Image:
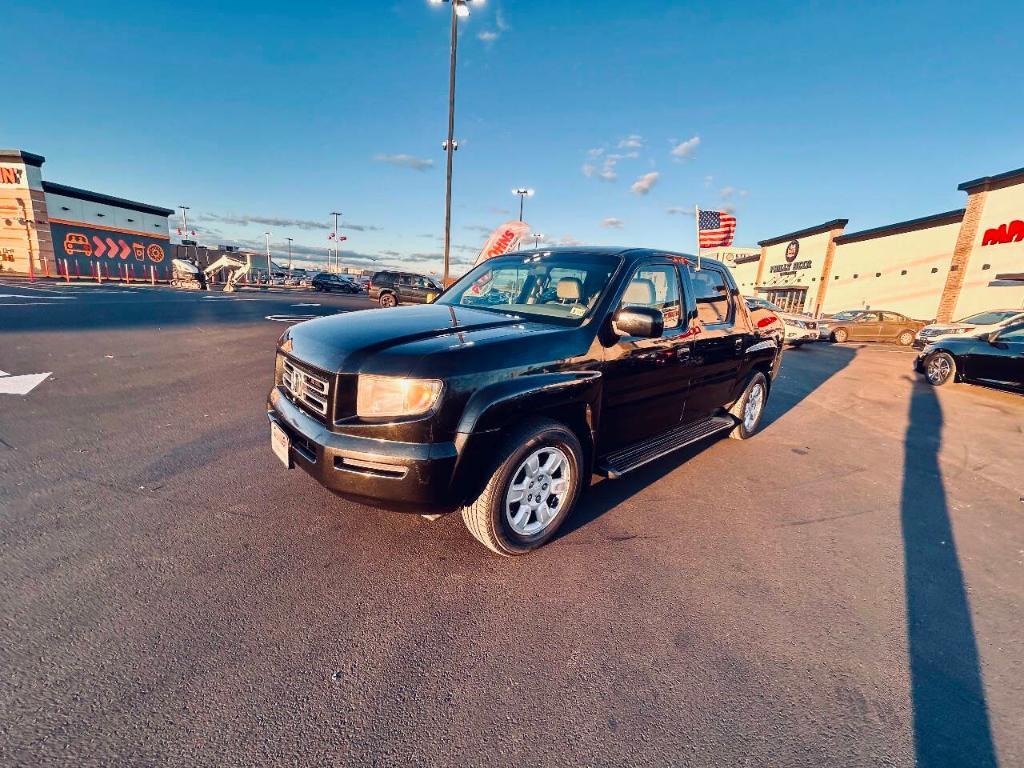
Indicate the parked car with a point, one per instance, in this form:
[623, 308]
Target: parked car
[982, 322]
[798, 329]
[504, 410]
[870, 325]
[390, 288]
[995, 357]
[328, 282]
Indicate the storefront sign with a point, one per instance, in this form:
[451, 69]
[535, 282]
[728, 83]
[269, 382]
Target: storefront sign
[11, 175]
[80, 243]
[1004, 233]
[790, 268]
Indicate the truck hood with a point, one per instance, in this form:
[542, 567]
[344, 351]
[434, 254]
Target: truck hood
[395, 339]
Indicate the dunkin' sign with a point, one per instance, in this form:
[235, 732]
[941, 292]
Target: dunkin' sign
[503, 239]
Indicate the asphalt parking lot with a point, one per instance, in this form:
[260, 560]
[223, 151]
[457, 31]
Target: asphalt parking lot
[846, 589]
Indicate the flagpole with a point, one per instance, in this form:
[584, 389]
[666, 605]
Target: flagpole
[696, 219]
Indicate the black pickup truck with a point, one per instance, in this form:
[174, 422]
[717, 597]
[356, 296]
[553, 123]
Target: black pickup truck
[528, 375]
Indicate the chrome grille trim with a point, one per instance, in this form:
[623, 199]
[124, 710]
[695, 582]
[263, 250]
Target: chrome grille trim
[305, 388]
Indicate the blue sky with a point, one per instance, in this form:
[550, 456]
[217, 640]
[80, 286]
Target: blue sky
[794, 114]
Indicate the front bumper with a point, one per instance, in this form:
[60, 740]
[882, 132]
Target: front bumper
[406, 477]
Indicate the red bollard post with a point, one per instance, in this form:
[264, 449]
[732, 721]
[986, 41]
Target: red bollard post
[152, 275]
[99, 275]
[31, 271]
[67, 272]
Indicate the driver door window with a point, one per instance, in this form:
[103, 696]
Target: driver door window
[656, 286]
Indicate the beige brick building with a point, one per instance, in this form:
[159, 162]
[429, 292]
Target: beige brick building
[943, 266]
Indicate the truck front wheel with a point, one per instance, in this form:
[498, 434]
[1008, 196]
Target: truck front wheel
[535, 484]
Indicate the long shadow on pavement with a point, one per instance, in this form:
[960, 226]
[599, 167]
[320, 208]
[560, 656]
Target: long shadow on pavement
[951, 723]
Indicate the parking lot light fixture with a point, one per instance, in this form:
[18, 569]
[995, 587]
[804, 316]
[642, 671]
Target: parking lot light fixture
[523, 193]
[537, 237]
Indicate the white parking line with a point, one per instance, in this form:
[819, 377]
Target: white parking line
[29, 288]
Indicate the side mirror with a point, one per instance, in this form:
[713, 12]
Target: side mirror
[644, 322]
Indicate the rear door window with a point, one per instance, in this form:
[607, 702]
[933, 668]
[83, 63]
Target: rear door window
[711, 293]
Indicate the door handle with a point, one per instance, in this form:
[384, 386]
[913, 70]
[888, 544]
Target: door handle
[739, 344]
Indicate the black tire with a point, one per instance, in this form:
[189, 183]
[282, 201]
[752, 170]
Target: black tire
[939, 369]
[387, 300]
[840, 335]
[905, 339]
[485, 516]
[742, 431]
[796, 344]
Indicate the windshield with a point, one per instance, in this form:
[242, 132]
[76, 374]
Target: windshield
[559, 287]
[990, 318]
[847, 315]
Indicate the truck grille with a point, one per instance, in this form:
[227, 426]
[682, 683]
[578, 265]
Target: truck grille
[305, 388]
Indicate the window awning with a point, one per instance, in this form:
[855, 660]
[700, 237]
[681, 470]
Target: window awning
[1014, 276]
[786, 287]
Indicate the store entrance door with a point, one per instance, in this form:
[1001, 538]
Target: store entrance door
[788, 299]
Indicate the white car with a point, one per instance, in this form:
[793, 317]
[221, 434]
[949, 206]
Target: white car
[983, 322]
[799, 328]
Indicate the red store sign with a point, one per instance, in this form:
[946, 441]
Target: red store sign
[1004, 233]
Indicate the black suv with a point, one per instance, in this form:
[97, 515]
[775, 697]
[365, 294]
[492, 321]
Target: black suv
[326, 281]
[392, 288]
[529, 374]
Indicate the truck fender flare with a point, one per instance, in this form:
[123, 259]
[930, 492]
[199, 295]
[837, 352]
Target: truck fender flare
[495, 406]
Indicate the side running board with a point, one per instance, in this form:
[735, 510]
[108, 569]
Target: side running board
[615, 465]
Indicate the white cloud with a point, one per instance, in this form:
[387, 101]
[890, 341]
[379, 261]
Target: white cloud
[596, 152]
[406, 161]
[488, 36]
[684, 150]
[676, 210]
[726, 192]
[612, 223]
[633, 141]
[568, 240]
[644, 184]
[588, 169]
[499, 19]
[708, 181]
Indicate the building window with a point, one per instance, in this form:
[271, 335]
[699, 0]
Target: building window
[132, 220]
[878, 274]
[954, 268]
[836, 277]
[903, 272]
[855, 275]
[934, 270]
[986, 266]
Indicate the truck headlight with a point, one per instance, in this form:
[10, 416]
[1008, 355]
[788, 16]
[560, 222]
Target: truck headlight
[379, 396]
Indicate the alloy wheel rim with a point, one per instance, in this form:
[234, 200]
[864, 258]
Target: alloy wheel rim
[752, 408]
[539, 490]
[938, 370]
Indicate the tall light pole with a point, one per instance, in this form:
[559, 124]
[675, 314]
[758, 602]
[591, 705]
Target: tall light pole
[523, 193]
[184, 223]
[536, 239]
[459, 8]
[337, 245]
[289, 254]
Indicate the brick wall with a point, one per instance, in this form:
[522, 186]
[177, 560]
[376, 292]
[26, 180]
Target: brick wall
[961, 254]
[826, 271]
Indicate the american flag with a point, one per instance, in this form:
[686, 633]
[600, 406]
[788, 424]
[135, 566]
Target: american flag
[715, 229]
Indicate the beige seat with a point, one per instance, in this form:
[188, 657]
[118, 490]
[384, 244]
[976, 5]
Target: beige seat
[569, 290]
[640, 291]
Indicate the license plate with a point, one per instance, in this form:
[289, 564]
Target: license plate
[280, 443]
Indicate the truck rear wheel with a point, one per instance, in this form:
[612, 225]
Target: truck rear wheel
[749, 409]
[534, 486]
